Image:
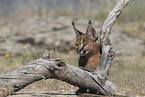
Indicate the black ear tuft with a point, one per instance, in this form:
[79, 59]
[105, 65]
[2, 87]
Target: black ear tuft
[73, 23]
[78, 33]
[90, 22]
[90, 32]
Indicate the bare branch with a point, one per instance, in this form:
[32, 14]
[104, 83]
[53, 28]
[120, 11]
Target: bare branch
[107, 52]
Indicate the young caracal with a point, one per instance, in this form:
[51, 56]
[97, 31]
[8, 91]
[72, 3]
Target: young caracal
[89, 51]
[87, 48]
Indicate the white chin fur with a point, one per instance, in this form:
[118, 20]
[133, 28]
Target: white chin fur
[81, 54]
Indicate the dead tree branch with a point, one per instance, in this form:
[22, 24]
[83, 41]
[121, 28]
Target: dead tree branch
[107, 52]
[45, 68]
[52, 68]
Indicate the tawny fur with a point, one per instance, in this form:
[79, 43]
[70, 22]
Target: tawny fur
[92, 59]
[88, 50]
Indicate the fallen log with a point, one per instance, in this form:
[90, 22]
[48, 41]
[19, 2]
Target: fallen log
[52, 68]
[46, 67]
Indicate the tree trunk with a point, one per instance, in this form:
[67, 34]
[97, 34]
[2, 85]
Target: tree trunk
[45, 68]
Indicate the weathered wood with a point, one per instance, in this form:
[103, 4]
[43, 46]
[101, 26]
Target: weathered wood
[53, 68]
[107, 52]
[45, 68]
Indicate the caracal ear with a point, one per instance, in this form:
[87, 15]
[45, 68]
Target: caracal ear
[91, 33]
[78, 33]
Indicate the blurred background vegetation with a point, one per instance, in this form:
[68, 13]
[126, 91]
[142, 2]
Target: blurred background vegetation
[26, 24]
[90, 9]
[95, 9]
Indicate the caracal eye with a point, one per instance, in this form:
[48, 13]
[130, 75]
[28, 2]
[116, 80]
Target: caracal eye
[83, 41]
[85, 45]
[76, 45]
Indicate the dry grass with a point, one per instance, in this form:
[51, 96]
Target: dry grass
[128, 76]
[135, 31]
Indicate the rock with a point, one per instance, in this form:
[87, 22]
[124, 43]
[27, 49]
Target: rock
[57, 33]
[10, 47]
[143, 26]
[126, 47]
[39, 38]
